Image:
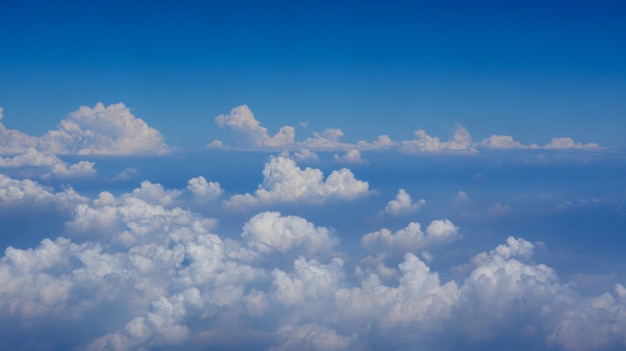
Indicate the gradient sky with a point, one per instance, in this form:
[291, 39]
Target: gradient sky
[312, 176]
[534, 70]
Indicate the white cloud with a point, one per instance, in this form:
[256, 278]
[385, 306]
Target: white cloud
[403, 204]
[568, 143]
[498, 209]
[202, 189]
[284, 181]
[111, 130]
[504, 142]
[306, 155]
[248, 132]
[26, 192]
[412, 238]
[460, 141]
[351, 156]
[100, 130]
[269, 231]
[461, 199]
[56, 167]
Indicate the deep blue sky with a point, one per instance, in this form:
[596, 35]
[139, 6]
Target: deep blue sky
[534, 70]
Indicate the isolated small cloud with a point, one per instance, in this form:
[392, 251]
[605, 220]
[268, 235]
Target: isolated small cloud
[461, 199]
[403, 204]
[498, 209]
[412, 237]
[248, 132]
[284, 181]
[351, 156]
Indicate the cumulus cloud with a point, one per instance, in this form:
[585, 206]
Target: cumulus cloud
[248, 132]
[412, 237]
[568, 143]
[284, 181]
[460, 141]
[352, 156]
[158, 278]
[14, 192]
[111, 130]
[403, 204]
[504, 142]
[306, 155]
[55, 166]
[100, 130]
[269, 231]
[203, 189]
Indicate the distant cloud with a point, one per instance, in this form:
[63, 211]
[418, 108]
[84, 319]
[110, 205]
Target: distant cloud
[412, 238]
[568, 143]
[504, 142]
[100, 130]
[461, 199]
[248, 132]
[351, 156]
[403, 204]
[284, 181]
[54, 165]
[14, 192]
[460, 141]
[305, 155]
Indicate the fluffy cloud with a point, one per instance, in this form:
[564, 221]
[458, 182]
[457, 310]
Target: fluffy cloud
[14, 192]
[248, 132]
[203, 189]
[403, 204]
[269, 231]
[177, 285]
[56, 167]
[460, 141]
[412, 238]
[284, 181]
[351, 156]
[504, 142]
[111, 130]
[568, 143]
[100, 130]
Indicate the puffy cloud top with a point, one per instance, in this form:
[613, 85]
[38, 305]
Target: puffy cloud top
[247, 131]
[284, 181]
[100, 130]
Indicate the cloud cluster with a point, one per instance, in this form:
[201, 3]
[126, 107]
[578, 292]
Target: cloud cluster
[284, 181]
[111, 130]
[412, 238]
[247, 132]
[27, 193]
[138, 271]
[54, 165]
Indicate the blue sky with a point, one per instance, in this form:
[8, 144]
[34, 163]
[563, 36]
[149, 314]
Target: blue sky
[312, 176]
[535, 70]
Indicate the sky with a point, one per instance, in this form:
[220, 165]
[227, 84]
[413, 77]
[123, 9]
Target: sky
[312, 175]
